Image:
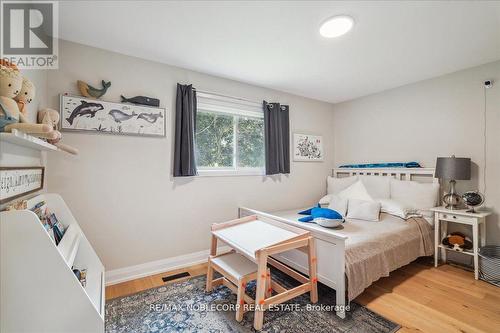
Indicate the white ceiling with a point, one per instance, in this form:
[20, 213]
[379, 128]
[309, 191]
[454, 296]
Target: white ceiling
[276, 44]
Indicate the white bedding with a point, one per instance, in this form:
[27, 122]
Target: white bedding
[357, 231]
[373, 249]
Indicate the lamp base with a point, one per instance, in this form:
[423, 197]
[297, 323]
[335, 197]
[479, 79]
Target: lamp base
[451, 201]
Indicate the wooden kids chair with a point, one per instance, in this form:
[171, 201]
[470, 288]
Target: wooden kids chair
[236, 271]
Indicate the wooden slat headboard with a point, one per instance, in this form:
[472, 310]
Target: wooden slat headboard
[398, 173]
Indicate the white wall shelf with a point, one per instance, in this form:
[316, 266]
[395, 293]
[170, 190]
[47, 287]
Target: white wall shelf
[36, 274]
[26, 140]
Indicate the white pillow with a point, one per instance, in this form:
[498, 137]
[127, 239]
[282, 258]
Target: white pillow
[338, 204]
[356, 191]
[396, 208]
[325, 201]
[336, 185]
[379, 187]
[363, 210]
[415, 195]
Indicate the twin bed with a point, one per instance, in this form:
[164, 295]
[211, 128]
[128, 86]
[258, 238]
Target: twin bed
[352, 257]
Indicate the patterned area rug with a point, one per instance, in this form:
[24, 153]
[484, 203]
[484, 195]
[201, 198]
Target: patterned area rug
[186, 307]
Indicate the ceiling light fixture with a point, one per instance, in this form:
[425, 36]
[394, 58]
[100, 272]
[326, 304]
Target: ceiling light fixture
[336, 26]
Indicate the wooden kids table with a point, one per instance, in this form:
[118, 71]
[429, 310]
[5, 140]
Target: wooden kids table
[258, 238]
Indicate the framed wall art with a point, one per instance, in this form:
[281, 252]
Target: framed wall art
[307, 148]
[16, 182]
[96, 116]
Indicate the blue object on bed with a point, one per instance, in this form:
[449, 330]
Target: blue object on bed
[384, 165]
[319, 213]
[308, 211]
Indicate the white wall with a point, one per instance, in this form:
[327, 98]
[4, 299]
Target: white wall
[437, 117]
[120, 188]
[133, 211]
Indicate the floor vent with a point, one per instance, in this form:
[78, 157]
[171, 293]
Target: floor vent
[175, 277]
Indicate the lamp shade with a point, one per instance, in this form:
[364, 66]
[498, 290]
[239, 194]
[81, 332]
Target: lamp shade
[453, 168]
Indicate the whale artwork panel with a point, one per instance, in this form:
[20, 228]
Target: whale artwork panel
[96, 116]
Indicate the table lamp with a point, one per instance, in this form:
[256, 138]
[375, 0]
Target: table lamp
[452, 169]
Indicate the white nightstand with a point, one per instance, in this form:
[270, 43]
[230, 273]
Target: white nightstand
[476, 220]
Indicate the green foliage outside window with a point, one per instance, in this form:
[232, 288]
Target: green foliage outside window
[251, 142]
[216, 138]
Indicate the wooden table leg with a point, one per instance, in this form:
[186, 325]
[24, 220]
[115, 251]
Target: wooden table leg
[269, 289]
[240, 300]
[213, 246]
[210, 276]
[261, 290]
[210, 270]
[313, 276]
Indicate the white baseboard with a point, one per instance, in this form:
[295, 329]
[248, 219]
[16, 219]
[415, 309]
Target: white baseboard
[154, 267]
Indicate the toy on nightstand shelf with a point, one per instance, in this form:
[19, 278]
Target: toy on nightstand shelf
[11, 83]
[457, 242]
[51, 117]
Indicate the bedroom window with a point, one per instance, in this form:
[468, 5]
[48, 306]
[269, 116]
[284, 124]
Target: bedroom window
[229, 136]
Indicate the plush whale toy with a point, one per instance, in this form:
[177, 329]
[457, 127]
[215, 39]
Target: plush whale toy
[325, 217]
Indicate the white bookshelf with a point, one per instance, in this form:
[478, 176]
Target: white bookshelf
[39, 292]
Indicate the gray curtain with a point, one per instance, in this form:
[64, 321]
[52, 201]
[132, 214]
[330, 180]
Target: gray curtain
[185, 127]
[277, 138]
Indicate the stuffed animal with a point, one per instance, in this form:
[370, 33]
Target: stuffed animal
[51, 117]
[26, 95]
[11, 82]
[18, 205]
[325, 217]
[457, 241]
[6, 63]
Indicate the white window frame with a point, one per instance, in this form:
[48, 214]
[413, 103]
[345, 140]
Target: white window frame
[235, 107]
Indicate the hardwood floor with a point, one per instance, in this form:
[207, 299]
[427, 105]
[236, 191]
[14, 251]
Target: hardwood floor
[152, 281]
[418, 296]
[422, 298]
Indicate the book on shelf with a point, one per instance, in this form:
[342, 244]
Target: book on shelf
[81, 275]
[49, 220]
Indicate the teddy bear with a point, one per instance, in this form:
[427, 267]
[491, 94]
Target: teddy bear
[51, 117]
[25, 95]
[11, 82]
[6, 63]
[457, 242]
